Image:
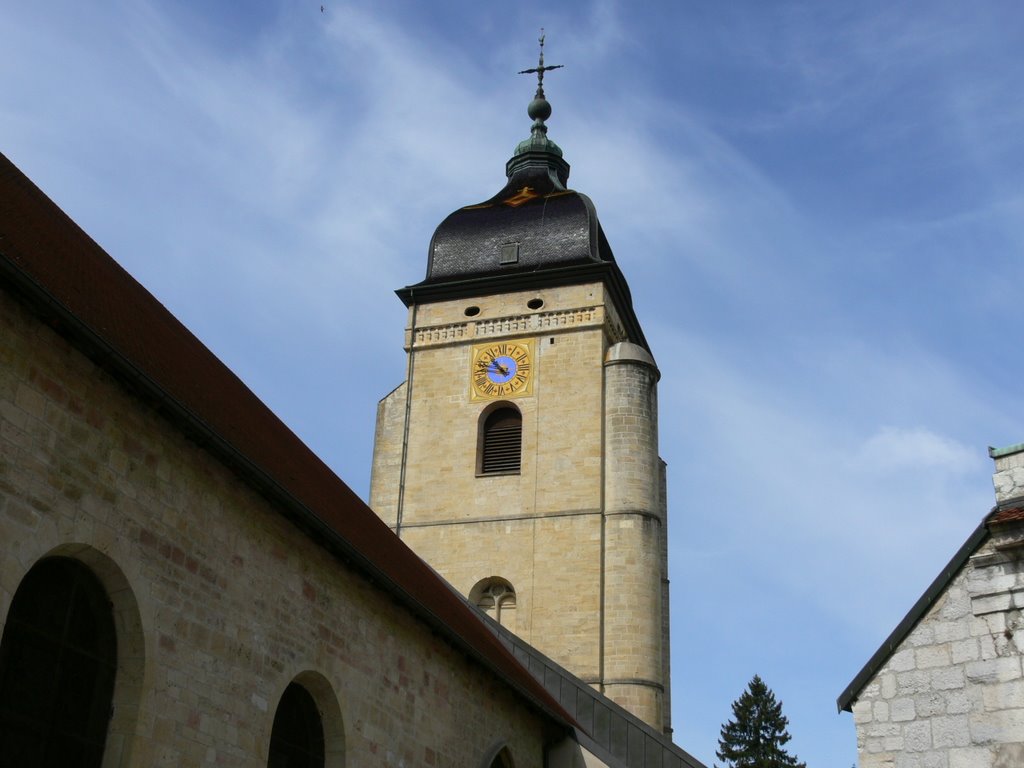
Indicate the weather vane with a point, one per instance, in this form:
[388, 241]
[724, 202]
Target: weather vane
[540, 69]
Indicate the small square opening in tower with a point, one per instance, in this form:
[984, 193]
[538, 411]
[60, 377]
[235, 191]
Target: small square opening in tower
[510, 253]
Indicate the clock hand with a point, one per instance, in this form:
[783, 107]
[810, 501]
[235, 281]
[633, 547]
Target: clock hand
[485, 365]
[499, 367]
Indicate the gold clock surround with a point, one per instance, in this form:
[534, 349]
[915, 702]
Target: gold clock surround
[501, 369]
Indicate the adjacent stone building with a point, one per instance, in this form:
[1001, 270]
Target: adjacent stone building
[520, 456]
[946, 689]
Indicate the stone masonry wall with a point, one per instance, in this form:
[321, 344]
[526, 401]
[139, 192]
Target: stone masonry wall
[220, 602]
[1009, 475]
[543, 529]
[634, 568]
[387, 454]
[539, 529]
[952, 695]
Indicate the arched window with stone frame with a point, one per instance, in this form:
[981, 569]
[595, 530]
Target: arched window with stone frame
[58, 663]
[496, 597]
[297, 736]
[498, 756]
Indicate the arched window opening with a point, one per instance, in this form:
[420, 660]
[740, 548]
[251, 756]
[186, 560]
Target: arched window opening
[58, 660]
[501, 442]
[499, 757]
[497, 598]
[297, 738]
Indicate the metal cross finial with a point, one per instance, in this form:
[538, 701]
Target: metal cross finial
[540, 69]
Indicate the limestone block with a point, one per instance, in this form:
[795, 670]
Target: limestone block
[1008, 756]
[947, 678]
[903, 709]
[951, 731]
[888, 685]
[894, 743]
[935, 760]
[923, 634]
[1017, 641]
[971, 757]
[879, 760]
[902, 661]
[1006, 695]
[951, 631]
[990, 624]
[957, 702]
[994, 670]
[863, 712]
[999, 602]
[965, 650]
[1009, 483]
[909, 683]
[932, 656]
[929, 705]
[984, 729]
[918, 735]
[875, 740]
[956, 604]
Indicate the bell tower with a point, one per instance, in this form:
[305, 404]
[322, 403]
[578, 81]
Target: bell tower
[520, 455]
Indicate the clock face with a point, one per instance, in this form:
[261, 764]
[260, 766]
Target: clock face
[501, 369]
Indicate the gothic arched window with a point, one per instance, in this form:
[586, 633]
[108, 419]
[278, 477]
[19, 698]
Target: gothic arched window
[499, 757]
[501, 442]
[58, 658]
[297, 738]
[497, 598]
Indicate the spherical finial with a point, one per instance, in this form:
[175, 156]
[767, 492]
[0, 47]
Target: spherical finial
[539, 109]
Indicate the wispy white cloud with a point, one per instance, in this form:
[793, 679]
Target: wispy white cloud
[894, 449]
[820, 221]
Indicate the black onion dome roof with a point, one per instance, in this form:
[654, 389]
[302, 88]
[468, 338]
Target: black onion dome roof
[534, 234]
[546, 225]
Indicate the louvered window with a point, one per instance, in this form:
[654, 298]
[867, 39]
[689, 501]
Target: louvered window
[501, 442]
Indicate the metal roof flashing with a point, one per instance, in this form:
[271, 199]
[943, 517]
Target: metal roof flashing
[1010, 450]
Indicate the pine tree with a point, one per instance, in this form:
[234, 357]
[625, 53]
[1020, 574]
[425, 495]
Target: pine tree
[756, 735]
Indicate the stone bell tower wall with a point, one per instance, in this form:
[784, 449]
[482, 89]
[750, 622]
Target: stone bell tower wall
[387, 455]
[634, 532]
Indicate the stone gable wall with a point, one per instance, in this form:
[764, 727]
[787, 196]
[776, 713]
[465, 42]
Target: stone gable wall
[952, 695]
[220, 602]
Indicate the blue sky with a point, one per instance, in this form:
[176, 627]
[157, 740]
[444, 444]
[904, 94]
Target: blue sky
[818, 207]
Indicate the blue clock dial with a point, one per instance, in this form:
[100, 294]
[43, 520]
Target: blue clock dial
[501, 369]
